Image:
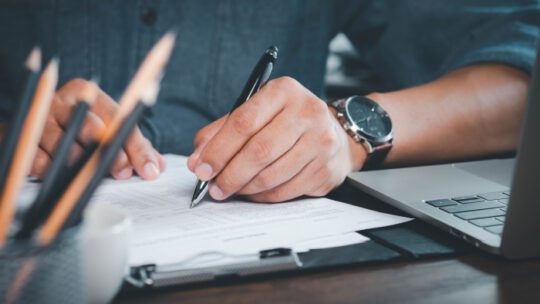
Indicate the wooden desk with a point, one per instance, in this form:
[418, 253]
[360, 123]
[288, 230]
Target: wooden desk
[471, 278]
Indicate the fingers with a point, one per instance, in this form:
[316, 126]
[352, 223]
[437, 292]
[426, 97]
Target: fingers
[137, 154]
[40, 164]
[202, 137]
[282, 170]
[241, 125]
[278, 137]
[315, 171]
[142, 156]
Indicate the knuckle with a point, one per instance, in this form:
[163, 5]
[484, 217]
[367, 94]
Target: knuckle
[77, 82]
[41, 163]
[324, 172]
[242, 121]
[264, 180]
[285, 82]
[91, 129]
[260, 151]
[225, 182]
[328, 138]
[313, 108]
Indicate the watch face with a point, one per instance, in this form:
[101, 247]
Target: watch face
[370, 118]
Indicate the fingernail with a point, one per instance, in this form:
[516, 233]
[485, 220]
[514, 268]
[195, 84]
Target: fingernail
[150, 171]
[204, 171]
[125, 173]
[216, 193]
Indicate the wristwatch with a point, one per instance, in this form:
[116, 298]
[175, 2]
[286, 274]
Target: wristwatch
[368, 124]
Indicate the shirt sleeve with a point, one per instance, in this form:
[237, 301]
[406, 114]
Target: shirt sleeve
[413, 42]
[509, 36]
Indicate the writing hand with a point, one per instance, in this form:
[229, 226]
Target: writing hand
[282, 143]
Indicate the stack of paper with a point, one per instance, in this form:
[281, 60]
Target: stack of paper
[166, 231]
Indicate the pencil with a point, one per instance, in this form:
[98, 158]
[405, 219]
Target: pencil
[109, 153]
[30, 79]
[27, 146]
[57, 174]
[151, 68]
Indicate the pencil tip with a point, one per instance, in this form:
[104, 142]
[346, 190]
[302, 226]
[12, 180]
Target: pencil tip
[33, 62]
[149, 96]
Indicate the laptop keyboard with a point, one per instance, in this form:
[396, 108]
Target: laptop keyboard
[487, 210]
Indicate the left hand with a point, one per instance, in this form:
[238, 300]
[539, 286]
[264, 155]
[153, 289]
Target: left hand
[281, 144]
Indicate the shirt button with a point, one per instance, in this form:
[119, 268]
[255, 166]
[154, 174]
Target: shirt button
[149, 16]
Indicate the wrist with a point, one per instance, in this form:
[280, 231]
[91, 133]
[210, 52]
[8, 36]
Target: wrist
[368, 126]
[357, 153]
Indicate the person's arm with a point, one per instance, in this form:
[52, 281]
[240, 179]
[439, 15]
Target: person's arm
[472, 112]
[285, 142]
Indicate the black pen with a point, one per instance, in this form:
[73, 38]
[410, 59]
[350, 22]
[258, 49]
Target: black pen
[259, 76]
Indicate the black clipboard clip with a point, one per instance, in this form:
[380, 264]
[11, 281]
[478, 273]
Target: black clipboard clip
[266, 261]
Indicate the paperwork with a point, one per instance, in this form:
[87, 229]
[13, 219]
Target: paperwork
[167, 232]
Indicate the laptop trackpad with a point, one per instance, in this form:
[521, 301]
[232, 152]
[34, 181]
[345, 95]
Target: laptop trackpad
[496, 170]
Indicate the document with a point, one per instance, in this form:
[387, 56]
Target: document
[167, 231]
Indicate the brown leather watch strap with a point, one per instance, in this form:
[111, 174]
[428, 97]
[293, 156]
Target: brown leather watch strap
[377, 157]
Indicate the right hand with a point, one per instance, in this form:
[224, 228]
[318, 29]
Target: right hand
[137, 155]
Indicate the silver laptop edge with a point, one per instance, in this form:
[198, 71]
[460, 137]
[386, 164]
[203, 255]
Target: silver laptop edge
[408, 189]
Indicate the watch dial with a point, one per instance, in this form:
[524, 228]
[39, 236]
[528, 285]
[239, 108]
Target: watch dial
[370, 118]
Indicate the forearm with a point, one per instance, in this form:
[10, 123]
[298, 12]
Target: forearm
[472, 112]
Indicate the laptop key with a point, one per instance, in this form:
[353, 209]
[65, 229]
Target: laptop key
[493, 196]
[473, 200]
[503, 201]
[495, 229]
[471, 215]
[441, 203]
[501, 218]
[464, 198]
[472, 207]
[485, 222]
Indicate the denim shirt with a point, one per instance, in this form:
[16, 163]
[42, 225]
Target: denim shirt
[405, 43]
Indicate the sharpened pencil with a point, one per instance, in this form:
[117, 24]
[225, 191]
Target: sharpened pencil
[151, 69]
[57, 175]
[109, 153]
[27, 146]
[30, 79]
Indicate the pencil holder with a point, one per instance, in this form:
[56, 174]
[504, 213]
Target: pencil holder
[50, 274]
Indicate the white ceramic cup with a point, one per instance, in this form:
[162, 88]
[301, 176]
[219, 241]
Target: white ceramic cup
[104, 247]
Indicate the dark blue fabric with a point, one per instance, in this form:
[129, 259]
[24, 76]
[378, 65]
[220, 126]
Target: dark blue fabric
[405, 43]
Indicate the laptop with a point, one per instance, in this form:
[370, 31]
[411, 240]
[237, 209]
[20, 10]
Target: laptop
[493, 204]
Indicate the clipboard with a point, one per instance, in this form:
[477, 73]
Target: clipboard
[409, 241]
[266, 261]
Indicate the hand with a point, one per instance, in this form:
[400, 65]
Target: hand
[283, 143]
[137, 154]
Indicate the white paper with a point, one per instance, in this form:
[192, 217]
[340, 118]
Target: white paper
[166, 231]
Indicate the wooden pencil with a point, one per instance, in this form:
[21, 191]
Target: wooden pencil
[151, 69]
[27, 146]
[57, 175]
[29, 82]
[109, 153]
